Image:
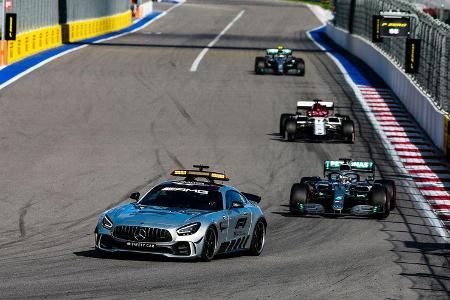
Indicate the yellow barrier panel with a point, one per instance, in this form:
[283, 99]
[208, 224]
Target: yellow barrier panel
[85, 29]
[32, 42]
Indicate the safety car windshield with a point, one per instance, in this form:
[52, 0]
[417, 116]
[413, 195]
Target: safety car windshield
[185, 197]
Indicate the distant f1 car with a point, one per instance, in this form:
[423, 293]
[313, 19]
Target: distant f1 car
[314, 121]
[343, 191]
[279, 61]
[190, 218]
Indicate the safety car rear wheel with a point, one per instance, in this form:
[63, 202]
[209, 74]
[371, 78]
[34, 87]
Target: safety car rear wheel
[258, 238]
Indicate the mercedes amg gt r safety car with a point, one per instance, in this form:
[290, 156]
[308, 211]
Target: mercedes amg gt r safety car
[344, 191]
[190, 218]
[314, 121]
[279, 61]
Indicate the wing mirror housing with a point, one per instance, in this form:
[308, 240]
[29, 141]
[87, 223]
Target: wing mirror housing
[135, 196]
[253, 198]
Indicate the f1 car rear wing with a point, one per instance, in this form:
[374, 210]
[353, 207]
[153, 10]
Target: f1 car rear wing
[275, 51]
[344, 164]
[191, 175]
[309, 104]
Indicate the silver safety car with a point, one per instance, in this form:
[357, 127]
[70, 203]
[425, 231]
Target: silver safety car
[194, 217]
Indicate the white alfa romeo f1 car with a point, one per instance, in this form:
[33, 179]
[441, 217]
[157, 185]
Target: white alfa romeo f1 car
[314, 121]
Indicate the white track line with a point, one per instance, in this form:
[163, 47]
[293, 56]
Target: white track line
[200, 56]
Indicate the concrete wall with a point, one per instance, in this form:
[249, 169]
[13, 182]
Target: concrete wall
[430, 118]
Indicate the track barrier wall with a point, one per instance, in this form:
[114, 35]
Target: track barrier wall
[433, 121]
[45, 24]
[32, 42]
[80, 30]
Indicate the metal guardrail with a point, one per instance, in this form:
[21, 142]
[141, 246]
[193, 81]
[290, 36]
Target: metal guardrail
[434, 71]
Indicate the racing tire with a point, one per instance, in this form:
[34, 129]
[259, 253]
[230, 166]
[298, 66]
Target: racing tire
[300, 65]
[283, 119]
[390, 190]
[379, 196]
[348, 131]
[299, 194]
[291, 129]
[209, 245]
[260, 65]
[258, 239]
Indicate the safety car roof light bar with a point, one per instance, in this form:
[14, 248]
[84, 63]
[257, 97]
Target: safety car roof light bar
[191, 175]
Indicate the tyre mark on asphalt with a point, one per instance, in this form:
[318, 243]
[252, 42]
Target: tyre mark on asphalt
[182, 110]
[22, 213]
[175, 159]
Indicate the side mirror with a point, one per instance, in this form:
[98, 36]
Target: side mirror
[237, 204]
[135, 196]
[253, 198]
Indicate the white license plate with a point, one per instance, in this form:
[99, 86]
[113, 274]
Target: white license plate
[141, 245]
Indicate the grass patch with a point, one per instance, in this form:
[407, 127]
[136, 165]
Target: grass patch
[322, 3]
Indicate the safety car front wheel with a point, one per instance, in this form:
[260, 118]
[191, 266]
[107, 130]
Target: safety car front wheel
[209, 246]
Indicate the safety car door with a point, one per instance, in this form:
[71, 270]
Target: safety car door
[239, 216]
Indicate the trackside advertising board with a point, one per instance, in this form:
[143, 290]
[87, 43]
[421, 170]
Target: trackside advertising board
[395, 27]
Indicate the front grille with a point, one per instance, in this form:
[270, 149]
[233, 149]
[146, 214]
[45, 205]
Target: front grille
[108, 243]
[129, 233]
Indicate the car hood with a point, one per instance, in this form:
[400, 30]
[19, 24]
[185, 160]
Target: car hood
[132, 214]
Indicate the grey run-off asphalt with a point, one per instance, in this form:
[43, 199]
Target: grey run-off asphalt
[81, 133]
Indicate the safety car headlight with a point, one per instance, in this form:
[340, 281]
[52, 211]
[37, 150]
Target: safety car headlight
[188, 229]
[106, 222]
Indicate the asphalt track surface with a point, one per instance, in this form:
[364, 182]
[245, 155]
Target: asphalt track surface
[81, 133]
